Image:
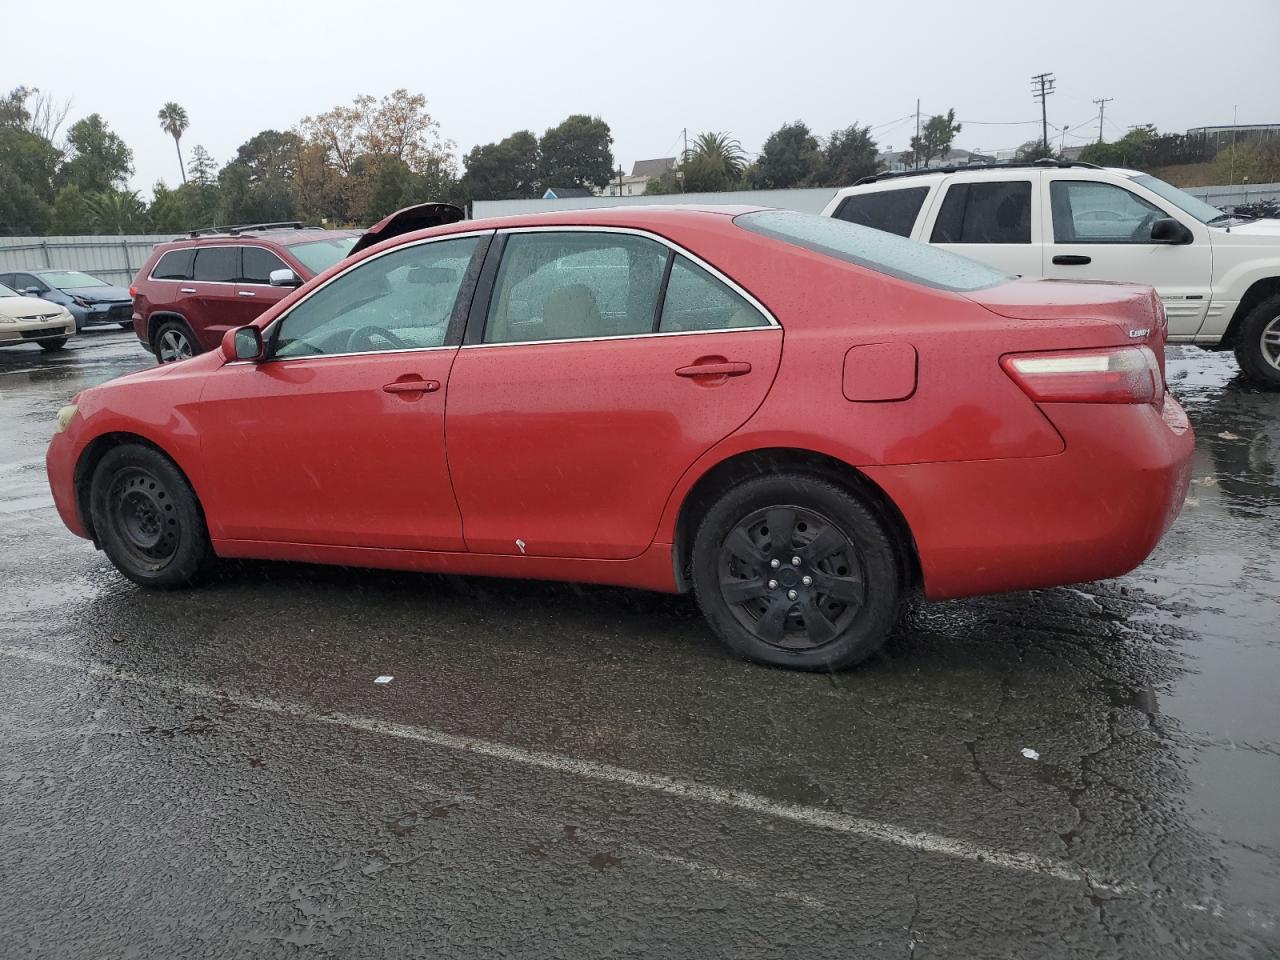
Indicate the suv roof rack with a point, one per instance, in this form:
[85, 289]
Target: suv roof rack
[958, 167]
[235, 229]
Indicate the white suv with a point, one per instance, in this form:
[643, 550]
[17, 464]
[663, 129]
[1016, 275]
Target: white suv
[1218, 275]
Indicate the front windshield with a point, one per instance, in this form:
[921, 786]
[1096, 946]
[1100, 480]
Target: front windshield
[6, 292]
[1204, 212]
[319, 255]
[70, 279]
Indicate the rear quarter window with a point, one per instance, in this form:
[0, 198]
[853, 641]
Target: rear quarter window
[873, 249]
[893, 211]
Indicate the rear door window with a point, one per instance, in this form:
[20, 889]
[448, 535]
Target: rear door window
[893, 211]
[258, 264]
[217, 264]
[695, 300]
[174, 265]
[990, 211]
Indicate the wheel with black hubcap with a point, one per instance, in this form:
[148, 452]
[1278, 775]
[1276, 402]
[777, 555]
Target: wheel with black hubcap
[174, 342]
[147, 518]
[1258, 344]
[796, 571]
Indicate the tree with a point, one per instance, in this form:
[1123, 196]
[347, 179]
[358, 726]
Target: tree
[719, 150]
[166, 213]
[576, 153]
[117, 212]
[174, 122]
[1032, 151]
[506, 170]
[42, 115]
[789, 157]
[703, 173]
[72, 215]
[935, 138]
[27, 165]
[849, 155]
[202, 168]
[99, 160]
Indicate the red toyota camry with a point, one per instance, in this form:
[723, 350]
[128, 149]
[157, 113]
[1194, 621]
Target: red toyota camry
[802, 420]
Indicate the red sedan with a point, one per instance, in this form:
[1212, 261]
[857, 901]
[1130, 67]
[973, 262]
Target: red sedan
[802, 420]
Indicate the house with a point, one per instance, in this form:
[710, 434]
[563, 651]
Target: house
[564, 193]
[642, 171]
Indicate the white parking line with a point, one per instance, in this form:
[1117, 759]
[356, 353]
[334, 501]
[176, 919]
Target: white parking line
[814, 817]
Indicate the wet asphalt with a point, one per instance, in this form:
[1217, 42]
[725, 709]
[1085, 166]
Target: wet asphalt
[564, 771]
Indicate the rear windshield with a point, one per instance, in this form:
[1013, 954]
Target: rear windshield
[319, 255]
[873, 249]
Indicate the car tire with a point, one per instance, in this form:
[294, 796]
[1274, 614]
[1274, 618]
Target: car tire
[147, 518]
[1258, 344]
[174, 341]
[833, 609]
[125, 324]
[53, 345]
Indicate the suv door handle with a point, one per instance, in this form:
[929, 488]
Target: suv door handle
[186, 289]
[411, 386]
[725, 368]
[246, 293]
[1071, 260]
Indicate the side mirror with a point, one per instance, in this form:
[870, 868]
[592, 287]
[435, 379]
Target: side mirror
[32, 292]
[284, 278]
[1169, 230]
[242, 343]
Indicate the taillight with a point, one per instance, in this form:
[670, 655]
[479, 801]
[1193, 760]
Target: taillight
[133, 293]
[1106, 375]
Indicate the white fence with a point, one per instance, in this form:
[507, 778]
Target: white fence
[806, 201]
[114, 259]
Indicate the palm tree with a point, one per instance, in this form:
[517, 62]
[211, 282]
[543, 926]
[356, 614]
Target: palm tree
[117, 212]
[174, 122]
[721, 149]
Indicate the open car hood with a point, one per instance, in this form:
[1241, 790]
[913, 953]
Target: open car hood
[418, 217]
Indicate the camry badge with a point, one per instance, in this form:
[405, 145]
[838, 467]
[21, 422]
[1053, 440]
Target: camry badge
[1135, 334]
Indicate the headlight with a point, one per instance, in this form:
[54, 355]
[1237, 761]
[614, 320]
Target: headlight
[64, 416]
[80, 302]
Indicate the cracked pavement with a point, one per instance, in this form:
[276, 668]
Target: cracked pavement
[566, 771]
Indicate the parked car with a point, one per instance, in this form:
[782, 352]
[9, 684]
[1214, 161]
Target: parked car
[192, 291]
[800, 419]
[88, 299]
[30, 320]
[1218, 273]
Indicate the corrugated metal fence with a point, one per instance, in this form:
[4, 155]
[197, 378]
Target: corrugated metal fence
[114, 259]
[1229, 196]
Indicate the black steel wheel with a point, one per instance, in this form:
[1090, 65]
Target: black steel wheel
[147, 518]
[796, 571]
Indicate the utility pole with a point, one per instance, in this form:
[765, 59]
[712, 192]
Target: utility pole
[1235, 122]
[1102, 106]
[619, 179]
[1041, 87]
[684, 132]
[915, 147]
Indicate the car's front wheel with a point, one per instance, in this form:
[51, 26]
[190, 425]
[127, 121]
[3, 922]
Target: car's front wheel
[174, 342]
[57, 343]
[1258, 344]
[147, 518]
[795, 571]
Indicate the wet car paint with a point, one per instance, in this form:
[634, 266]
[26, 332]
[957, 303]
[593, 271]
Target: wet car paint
[581, 771]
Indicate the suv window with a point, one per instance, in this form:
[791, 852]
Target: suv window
[1086, 211]
[893, 211]
[258, 264]
[873, 249]
[217, 264]
[561, 286]
[696, 300]
[174, 265]
[402, 300]
[991, 211]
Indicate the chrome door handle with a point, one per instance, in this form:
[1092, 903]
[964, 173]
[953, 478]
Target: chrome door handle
[245, 293]
[186, 289]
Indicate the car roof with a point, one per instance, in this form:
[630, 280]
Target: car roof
[284, 237]
[906, 178]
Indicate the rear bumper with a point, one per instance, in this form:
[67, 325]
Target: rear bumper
[1096, 510]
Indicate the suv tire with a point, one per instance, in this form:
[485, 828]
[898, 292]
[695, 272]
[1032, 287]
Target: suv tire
[174, 341]
[1258, 359]
[832, 609]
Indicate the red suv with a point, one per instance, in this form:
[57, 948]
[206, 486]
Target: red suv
[192, 291]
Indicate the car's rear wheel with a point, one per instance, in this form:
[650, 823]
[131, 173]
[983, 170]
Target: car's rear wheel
[55, 344]
[795, 571]
[174, 341]
[1258, 344]
[147, 518]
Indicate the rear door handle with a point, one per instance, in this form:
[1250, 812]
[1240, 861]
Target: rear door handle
[727, 368]
[1071, 260]
[186, 289]
[411, 386]
[246, 293]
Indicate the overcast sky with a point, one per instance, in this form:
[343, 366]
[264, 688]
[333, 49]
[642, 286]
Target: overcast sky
[650, 69]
